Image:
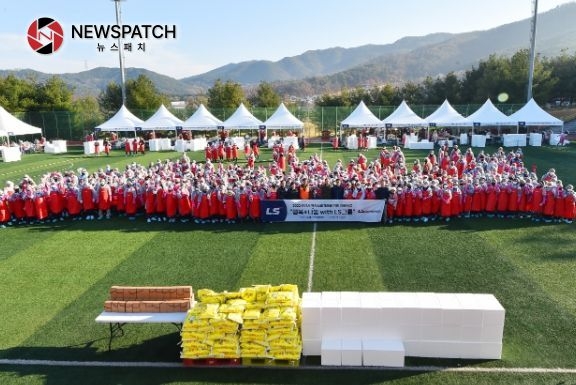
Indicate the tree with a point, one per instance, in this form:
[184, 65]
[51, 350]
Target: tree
[386, 95]
[500, 74]
[110, 100]
[564, 69]
[141, 94]
[17, 94]
[225, 95]
[53, 95]
[87, 115]
[413, 93]
[266, 96]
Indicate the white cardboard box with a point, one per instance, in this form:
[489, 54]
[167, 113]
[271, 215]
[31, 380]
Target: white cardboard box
[331, 352]
[383, 353]
[352, 352]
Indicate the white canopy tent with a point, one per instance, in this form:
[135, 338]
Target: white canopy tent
[123, 120]
[242, 119]
[403, 116]
[12, 126]
[283, 119]
[489, 115]
[202, 120]
[447, 116]
[361, 117]
[533, 115]
[162, 120]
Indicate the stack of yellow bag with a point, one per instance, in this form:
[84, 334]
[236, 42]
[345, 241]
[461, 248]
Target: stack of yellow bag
[211, 328]
[271, 327]
[256, 322]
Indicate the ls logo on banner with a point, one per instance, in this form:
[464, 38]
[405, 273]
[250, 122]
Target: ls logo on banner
[273, 211]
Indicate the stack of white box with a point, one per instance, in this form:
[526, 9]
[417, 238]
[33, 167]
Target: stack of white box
[379, 329]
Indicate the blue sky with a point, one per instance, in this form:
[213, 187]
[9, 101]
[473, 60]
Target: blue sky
[213, 33]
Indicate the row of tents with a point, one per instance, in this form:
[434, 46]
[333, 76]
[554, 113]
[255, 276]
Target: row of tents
[531, 114]
[201, 120]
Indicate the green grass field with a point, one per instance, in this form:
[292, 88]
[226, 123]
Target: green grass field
[55, 278]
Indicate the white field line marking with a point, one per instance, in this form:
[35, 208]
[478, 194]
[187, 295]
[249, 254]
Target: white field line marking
[36, 168]
[312, 254]
[128, 364]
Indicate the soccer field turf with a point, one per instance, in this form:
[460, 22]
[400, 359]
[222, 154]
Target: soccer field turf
[55, 278]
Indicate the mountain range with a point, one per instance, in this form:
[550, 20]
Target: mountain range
[326, 70]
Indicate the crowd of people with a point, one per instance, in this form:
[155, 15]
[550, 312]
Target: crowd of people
[442, 186]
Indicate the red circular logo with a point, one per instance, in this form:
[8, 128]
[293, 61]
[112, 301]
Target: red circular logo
[45, 35]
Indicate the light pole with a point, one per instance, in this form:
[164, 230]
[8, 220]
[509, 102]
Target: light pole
[120, 52]
[532, 48]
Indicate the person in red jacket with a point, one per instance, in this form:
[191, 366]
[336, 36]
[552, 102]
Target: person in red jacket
[41, 205]
[56, 202]
[16, 205]
[514, 196]
[142, 146]
[118, 198]
[104, 199]
[417, 204]
[559, 201]
[256, 150]
[569, 204]
[491, 199]
[29, 209]
[467, 198]
[221, 195]
[161, 202]
[391, 205]
[251, 160]
[408, 203]
[231, 207]
[446, 203]
[4, 209]
[127, 147]
[525, 198]
[130, 200]
[214, 204]
[135, 144]
[243, 203]
[150, 202]
[203, 206]
[87, 199]
[456, 202]
[184, 203]
[107, 146]
[427, 196]
[537, 202]
[549, 202]
[254, 204]
[228, 152]
[171, 204]
[478, 200]
[73, 201]
[247, 150]
[399, 207]
[215, 153]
